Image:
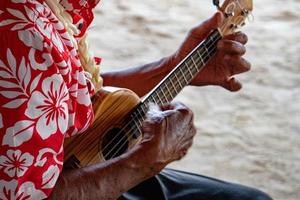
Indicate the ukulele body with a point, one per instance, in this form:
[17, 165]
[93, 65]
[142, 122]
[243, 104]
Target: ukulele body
[111, 106]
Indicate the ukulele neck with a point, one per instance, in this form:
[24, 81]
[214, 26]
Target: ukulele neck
[179, 77]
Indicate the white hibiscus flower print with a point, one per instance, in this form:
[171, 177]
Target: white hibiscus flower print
[81, 94]
[26, 191]
[15, 164]
[49, 107]
[49, 26]
[35, 25]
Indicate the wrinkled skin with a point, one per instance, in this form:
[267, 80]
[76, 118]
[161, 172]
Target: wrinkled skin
[164, 139]
[220, 70]
[227, 62]
[168, 129]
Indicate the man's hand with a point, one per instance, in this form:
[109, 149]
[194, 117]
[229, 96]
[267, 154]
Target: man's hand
[225, 64]
[168, 134]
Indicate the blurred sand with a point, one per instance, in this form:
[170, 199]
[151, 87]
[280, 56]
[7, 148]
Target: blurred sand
[251, 137]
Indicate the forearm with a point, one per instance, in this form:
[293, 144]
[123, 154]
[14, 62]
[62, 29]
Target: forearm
[139, 79]
[107, 180]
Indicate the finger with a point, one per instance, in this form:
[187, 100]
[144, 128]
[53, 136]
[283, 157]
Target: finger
[238, 65]
[173, 106]
[147, 130]
[192, 132]
[238, 37]
[186, 114]
[200, 32]
[154, 107]
[168, 106]
[232, 85]
[184, 150]
[231, 47]
[155, 115]
[187, 144]
[189, 135]
[183, 112]
[180, 155]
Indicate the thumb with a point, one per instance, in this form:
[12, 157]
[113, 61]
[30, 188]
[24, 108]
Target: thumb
[201, 31]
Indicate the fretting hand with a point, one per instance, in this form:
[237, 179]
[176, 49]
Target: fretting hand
[227, 62]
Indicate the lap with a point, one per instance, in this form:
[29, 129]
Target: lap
[174, 185]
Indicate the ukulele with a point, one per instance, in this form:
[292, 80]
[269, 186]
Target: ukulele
[119, 113]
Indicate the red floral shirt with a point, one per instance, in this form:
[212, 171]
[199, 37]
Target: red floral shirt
[44, 94]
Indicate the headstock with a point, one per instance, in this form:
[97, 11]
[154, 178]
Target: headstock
[236, 12]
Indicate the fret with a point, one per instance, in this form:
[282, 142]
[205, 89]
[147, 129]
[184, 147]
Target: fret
[183, 75]
[160, 100]
[144, 108]
[137, 125]
[177, 83]
[141, 114]
[206, 56]
[134, 116]
[213, 39]
[207, 44]
[216, 36]
[178, 80]
[197, 63]
[173, 86]
[200, 56]
[206, 50]
[169, 91]
[210, 41]
[153, 99]
[164, 95]
[140, 121]
[194, 62]
[189, 71]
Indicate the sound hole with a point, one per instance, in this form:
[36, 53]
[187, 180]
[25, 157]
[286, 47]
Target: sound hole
[114, 143]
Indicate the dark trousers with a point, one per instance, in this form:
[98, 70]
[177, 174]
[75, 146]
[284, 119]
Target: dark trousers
[174, 185]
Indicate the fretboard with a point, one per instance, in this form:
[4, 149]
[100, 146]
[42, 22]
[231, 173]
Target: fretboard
[178, 78]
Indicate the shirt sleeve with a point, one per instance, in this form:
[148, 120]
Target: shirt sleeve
[42, 91]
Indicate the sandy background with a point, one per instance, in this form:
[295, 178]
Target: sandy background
[251, 137]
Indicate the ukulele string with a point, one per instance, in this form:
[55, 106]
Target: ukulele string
[129, 137]
[181, 78]
[130, 123]
[177, 84]
[210, 50]
[132, 120]
[215, 40]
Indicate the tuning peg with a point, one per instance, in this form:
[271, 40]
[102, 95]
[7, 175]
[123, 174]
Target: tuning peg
[245, 12]
[229, 14]
[234, 26]
[216, 3]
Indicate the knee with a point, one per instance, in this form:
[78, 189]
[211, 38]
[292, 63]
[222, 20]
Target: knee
[254, 194]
